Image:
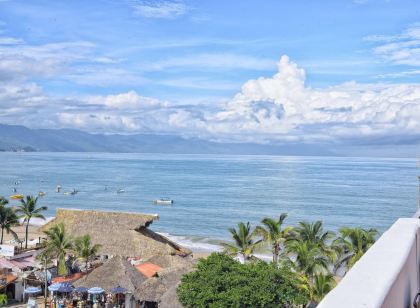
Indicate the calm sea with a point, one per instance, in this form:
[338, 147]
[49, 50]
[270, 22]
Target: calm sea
[213, 193]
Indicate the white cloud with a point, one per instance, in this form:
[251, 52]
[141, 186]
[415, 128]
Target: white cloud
[402, 49]
[10, 41]
[220, 61]
[283, 107]
[127, 101]
[160, 9]
[280, 108]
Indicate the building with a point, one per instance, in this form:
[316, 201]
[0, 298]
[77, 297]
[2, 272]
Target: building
[119, 234]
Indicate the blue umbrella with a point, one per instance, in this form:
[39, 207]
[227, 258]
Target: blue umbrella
[65, 288]
[33, 290]
[81, 290]
[119, 290]
[54, 287]
[96, 290]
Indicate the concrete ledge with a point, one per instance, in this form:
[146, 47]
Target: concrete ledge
[386, 276]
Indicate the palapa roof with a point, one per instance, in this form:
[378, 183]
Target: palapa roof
[153, 289]
[113, 273]
[119, 233]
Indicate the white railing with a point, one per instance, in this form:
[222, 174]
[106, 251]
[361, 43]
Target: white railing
[387, 275]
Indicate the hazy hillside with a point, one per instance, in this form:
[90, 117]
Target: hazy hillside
[18, 138]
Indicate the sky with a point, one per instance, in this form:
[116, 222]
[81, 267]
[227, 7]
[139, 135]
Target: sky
[343, 72]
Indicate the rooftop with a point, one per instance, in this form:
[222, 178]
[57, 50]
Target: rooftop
[119, 234]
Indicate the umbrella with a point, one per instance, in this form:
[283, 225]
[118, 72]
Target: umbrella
[32, 290]
[96, 290]
[119, 290]
[81, 290]
[65, 288]
[54, 287]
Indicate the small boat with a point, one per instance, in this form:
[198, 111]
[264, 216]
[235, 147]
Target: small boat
[163, 201]
[73, 192]
[17, 197]
[42, 193]
[119, 191]
[58, 189]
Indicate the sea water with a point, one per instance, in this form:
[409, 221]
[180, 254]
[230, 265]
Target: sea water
[213, 193]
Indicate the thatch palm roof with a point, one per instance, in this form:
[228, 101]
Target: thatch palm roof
[115, 272]
[119, 234]
[170, 299]
[153, 289]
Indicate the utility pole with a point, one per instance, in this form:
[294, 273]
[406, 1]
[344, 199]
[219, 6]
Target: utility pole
[45, 281]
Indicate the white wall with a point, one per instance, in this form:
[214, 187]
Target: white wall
[387, 275]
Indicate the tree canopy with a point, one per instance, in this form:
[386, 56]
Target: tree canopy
[221, 281]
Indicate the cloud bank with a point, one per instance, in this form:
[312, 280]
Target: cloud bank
[277, 109]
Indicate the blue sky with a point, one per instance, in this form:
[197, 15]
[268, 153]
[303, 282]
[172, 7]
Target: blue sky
[181, 67]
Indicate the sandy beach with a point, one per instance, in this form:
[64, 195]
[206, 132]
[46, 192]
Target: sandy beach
[34, 234]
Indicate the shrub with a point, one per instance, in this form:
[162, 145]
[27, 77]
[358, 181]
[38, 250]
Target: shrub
[220, 281]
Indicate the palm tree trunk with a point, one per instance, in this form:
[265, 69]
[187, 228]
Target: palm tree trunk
[26, 234]
[275, 254]
[1, 241]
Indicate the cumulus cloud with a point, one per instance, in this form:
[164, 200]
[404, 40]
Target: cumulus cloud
[282, 107]
[275, 109]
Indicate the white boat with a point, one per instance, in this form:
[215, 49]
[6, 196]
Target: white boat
[163, 201]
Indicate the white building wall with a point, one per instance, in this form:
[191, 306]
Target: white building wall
[387, 275]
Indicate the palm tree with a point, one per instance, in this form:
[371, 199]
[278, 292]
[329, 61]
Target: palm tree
[58, 244]
[244, 241]
[84, 249]
[273, 235]
[313, 233]
[319, 286]
[8, 219]
[3, 201]
[28, 209]
[352, 244]
[306, 259]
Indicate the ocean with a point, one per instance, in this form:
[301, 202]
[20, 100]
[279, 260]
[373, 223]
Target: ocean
[212, 193]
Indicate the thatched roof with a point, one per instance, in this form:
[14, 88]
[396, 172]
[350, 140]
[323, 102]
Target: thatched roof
[153, 289]
[170, 299]
[123, 234]
[170, 261]
[115, 272]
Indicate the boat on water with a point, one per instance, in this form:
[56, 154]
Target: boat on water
[41, 193]
[119, 191]
[73, 192]
[163, 201]
[17, 197]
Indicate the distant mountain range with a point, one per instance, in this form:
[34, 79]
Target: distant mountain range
[20, 138]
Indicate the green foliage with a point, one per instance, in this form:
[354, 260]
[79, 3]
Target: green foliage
[308, 250]
[3, 299]
[306, 259]
[273, 235]
[352, 244]
[59, 243]
[244, 241]
[220, 281]
[3, 201]
[28, 209]
[84, 250]
[8, 219]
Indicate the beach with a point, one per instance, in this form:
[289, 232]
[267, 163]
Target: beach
[34, 234]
